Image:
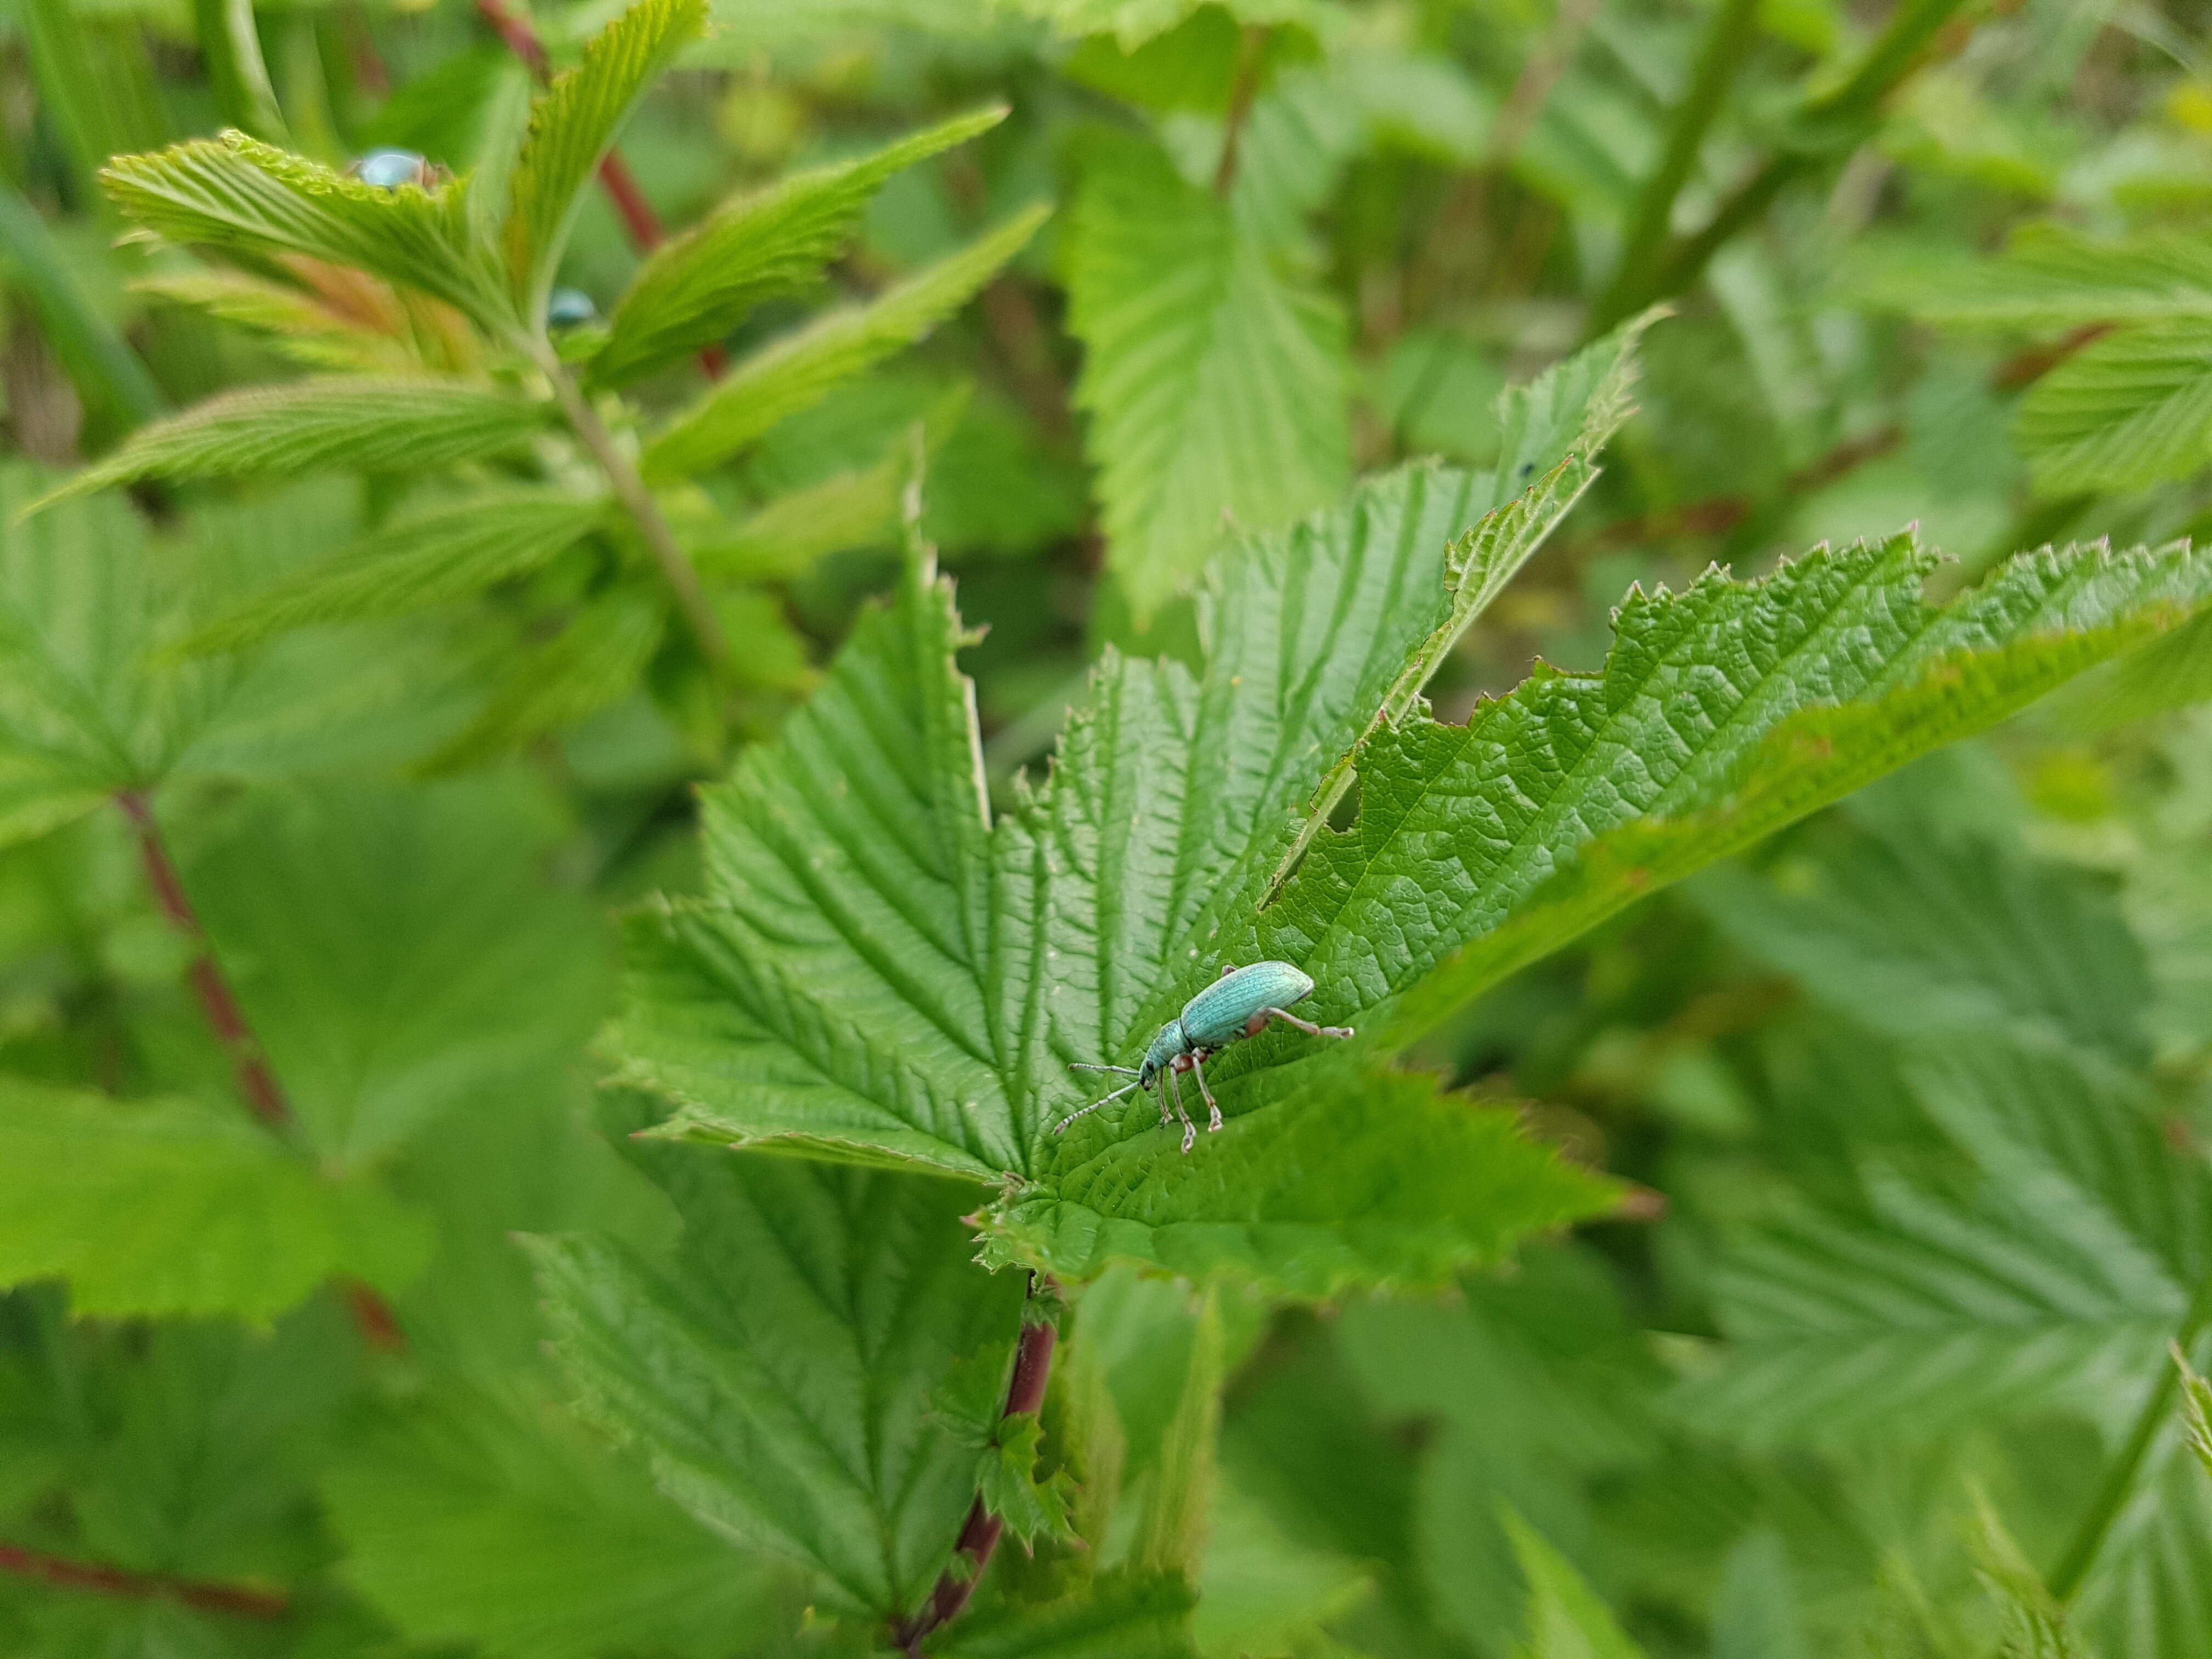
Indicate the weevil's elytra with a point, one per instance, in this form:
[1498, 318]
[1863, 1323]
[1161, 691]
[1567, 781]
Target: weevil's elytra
[1238, 1005]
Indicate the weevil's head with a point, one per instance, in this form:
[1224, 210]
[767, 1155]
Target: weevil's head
[1165, 1047]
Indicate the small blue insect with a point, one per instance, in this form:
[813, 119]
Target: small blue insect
[569, 307]
[388, 169]
[1236, 1006]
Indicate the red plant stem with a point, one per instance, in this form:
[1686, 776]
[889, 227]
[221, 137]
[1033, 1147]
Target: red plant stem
[241, 1599]
[979, 1537]
[255, 1080]
[372, 1315]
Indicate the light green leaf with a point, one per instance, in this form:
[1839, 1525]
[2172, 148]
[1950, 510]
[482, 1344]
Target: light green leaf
[1132, 22]
[693, 289]
[2050, 1281]
[175, 1208]
[2145, 1598]
[595, 660]
[1566, 1619]
[2196, 1411]
[495, 1522]
[843, 991]
[2033, 1621]
[1171, 1527]
[779, 1379]
[1006, 1482]
[1723, 714]
[241, 196]
[2127, 411]
[2051, 276]
[287, 318]
[418, 562]
[858, 508]
[1215, 377]
[1126, 1615]
[398, 951]
[572, 125]
[799, 370]
[1755, 1614]
[1261, 1591]
[1915, 934]
[353, 421]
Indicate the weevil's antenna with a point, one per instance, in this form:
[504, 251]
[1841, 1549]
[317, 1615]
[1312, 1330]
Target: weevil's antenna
[1061, 1127]
[1088, 1066]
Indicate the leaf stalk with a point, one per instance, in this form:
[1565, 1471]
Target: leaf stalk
[246, 1600]
[629, 489]
[980, 1534]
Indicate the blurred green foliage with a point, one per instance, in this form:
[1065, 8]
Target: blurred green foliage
[540, 942]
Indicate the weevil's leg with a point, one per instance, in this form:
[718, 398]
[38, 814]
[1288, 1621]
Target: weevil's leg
[1189, 1129]
[1305, 1025]
[1212, 1106]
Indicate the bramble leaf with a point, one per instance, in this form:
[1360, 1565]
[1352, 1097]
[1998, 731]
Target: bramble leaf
[172, 1207]
[693, 290]
[241, 196]
[424, 560]
[1216, 378]
[800, 369]
[779, 1379]
[354, 422]
[572, 127]
[2126, 410]
[2052, 276]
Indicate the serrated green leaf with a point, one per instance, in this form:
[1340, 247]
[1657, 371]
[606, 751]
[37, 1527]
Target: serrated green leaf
[1566, 1619]
[1006, 1482]
[175, 1208]
[693, 290]
[352, 422]
[1120, 1615]
[886, 1020]
[1916, 934]
[779, 1379]
[1723, 714]
[2125, 412]
[799, 370]
[2052, 276]
[396, 951]
[2052, 1278]
[1216, 378]
[2152, 1581]
[289, 320]
[2034, 1622]
[470, 1519]
[418, 562]
[572, 125]
[595, 660]
[239, 195]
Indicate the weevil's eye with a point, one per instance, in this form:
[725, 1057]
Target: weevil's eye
[388, 169]
[569, 307]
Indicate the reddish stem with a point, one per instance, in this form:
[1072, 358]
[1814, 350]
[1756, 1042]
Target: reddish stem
[241, 1599]
[979, 1537]
[255, 1080]
[372, 1315]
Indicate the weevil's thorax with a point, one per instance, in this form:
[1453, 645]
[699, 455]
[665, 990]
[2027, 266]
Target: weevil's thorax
[1166, 1048]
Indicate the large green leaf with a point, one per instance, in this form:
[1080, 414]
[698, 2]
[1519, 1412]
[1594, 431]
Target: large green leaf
[416, 564]
[488, 1520]
[695, 289]
[2051, 1276]
[2130, 409]
[803, 366]
[1215, 376]
[779, 1375]
[2053, 276]
[572, 127]
[241, 196]
[355, 422]
[181, 1209]
[398, 951]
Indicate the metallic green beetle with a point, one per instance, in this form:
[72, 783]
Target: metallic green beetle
[1236, 1006]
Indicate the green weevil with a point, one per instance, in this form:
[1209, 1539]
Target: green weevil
[1236, 1006]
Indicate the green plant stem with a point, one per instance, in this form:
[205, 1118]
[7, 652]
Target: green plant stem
[1727, 43]
[630, 490]
[2082, 1551]
[1845, 113]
